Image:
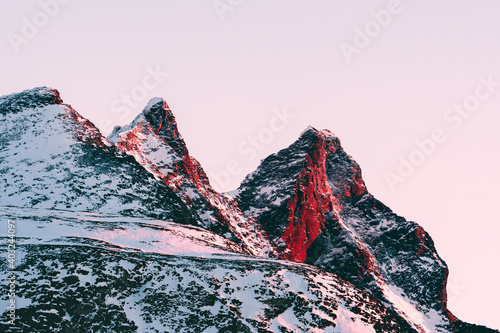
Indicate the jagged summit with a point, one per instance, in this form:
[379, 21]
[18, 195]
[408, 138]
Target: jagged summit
[352, 264]
[153, 139]
[37, 93]
[308, 128]
[312, 130]
[52, 157]
[310, 158]
[156, 100]
[158, 120]
[31, 98]
[313, 202]
[157, 115]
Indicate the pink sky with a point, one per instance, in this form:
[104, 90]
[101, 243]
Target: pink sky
[232, 69]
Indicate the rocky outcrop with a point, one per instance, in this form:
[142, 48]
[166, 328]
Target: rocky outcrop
[313, 202]
[155, 142]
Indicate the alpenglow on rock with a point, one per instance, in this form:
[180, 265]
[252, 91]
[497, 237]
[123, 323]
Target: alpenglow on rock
[126, 234]
[312, 201]
[155, 142]
[51, 157]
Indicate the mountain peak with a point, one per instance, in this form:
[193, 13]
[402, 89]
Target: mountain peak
[371, 269]
[154, 141]
[155, 102]
[29, 99]
[158, 114]
[308, 128]
[42, 91]
[51, 157]
[314, 132]
[156, 117]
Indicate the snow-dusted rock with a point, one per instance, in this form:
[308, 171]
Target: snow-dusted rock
[313, 202]
[155, 142]
[126, 235]
[51, 157]
[82, 272]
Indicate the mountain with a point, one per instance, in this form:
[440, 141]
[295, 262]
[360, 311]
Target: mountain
[155, 142]
[51, 157]
[313, 202]
[113, 273]
[126, 234]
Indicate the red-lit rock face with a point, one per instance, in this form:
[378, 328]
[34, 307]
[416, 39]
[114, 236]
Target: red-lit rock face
[313, 197]
[84, 130]
[312, 200]
[420, 235]
[357, 186]
[77, 168]
[153, 139]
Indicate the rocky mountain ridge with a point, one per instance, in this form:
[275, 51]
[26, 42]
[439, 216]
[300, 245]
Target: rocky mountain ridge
[155, 142]
[52, 157]
[307, 205]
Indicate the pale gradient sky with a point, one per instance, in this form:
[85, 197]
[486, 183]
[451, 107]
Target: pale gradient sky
[227, 76]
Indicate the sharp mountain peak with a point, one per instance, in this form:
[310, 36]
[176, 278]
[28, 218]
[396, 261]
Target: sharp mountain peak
[307, 203]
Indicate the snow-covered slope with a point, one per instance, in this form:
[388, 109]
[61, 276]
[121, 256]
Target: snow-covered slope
[82, 272]
[155, 142]
[51, 157]
[311, 199]
[127, 235]
[63, 227]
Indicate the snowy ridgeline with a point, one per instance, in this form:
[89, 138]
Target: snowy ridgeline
[82, 272]
[127, 235]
